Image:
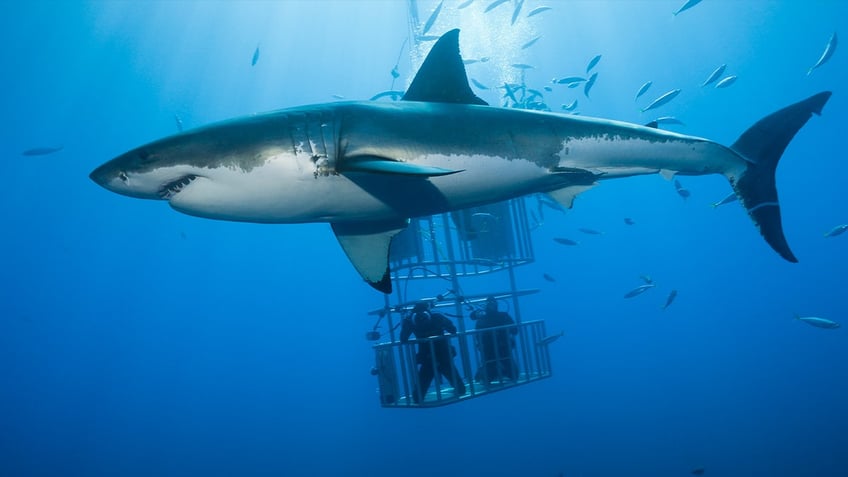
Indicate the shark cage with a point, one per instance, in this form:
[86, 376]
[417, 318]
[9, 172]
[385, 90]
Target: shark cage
[474, 247]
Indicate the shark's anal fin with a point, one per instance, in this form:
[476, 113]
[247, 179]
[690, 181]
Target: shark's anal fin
[442, 78]
[367, 247]
[381, 165]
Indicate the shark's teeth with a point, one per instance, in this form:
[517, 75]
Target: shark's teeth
[174, 187]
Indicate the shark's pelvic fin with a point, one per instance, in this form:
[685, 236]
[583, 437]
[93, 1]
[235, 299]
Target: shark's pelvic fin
[762, 145]
[442, 78]
[367, 246]
[565, 196]
[381, 165]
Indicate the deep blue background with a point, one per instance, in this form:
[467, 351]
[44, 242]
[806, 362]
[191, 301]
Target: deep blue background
[138, 341]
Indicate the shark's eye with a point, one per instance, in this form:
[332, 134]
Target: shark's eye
[145, 156]
[123, 176]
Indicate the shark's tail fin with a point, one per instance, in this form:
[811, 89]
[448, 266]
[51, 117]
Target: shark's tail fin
[761, 146]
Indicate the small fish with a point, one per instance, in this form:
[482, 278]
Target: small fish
[530, 43]
[698, 471]
[646, 278]
[639, 290]
[828, 52]
[589, 231]
[818, 322]
[179, 122]
[522, 66]
[570, 106]
[725, 82]
[642, 89]
[464, 4]
[629, 221]
[565, 241]
[255, 56]
[838, 230]
[479, 84]
[665, 98]
[671, 296]
[548, 278]
[569, 80]
[430, 21]
[547, 88]
[731, 197]
[592, 63]
[395, 95]
[509, 93]
[337, 96]
[42, 151]
[533, 94]
[395, 73]
[686, 6]
[714, 75]
[682, 192]
[517, 11]
[494, 5]
[537, 11]
[549, 339]
[591, 82]
[573, 85]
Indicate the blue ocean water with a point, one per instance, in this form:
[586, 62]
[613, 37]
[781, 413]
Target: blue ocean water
[137, 341]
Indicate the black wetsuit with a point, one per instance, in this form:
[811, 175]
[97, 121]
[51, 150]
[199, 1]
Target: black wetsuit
[496, 347]
[439, 347]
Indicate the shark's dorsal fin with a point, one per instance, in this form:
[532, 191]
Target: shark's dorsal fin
[442, 78]
[367, 246]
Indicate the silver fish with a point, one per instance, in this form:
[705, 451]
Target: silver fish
[592, 63]
[665, 98]
[494, 5]
[517, 11]
[430, 21]
[395, 95]
[629, 221]
[725, 82]
[671, 296]
[549, 339]
[569, 80]
[838, 230]
[570, 106]
[639, 290]
[479, 84]
[731, 197]
[464, 4]
[686, 6]
[255, 56]
[589, 231]
[828, 52]
[530, 43]
[642, 89]
[591, 82]
[548, 278]
[818, 322]
[537, 11]
[565, 241]
[42, 151]
[522, 66]
[714, 75]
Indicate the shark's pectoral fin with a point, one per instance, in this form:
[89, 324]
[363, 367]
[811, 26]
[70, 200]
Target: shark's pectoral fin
[565, 196]
[381, 165]
[579, 180]
[367, 246]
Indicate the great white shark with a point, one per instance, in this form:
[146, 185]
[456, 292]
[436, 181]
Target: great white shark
[368, 167]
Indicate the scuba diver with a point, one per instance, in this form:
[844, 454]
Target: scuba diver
[433, 348]
[495, 346]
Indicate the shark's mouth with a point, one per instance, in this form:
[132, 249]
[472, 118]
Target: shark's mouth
[173, 188]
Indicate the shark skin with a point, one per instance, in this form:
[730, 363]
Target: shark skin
[368, 167]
